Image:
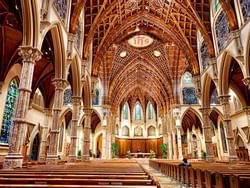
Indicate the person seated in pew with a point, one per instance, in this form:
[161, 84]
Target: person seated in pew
[185, 163]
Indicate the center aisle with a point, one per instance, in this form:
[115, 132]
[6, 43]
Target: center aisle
[161, 179]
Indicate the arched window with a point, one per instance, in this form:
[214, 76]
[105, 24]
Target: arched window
[151, 131]
[137, 111]
[125, 112]
[95, 101]
[150, 111]
[214, 97]
[9, 110]
[67, 97]
[125, 131]
[187, 78]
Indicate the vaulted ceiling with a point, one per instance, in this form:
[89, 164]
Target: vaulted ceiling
[154, 70]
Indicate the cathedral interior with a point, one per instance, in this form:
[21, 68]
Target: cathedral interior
[79, 78]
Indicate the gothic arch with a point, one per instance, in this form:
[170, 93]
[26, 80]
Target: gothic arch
[192, 110]
[76, 77]
[59, 48]
[247, 56]
[35, 131]
[206, 90]
[31, 23]
[86, 93]
[224, 72]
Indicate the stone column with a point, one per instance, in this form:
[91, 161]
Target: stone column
[87, 131]
[42, 151]
[60, 85]
[174, 145]
[14, 158]
[170, 149]
[180, 155]
[76, 101]
[224, 100]
[104, 142]
[207, 133]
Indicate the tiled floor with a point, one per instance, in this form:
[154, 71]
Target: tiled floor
[163, 180]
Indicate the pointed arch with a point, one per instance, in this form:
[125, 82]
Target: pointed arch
[207, 90]
[59, 48]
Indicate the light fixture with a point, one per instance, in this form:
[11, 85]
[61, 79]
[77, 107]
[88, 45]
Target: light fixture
[123, 54]
[157, 53]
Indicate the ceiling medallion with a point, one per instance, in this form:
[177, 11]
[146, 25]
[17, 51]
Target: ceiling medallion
[140, 41]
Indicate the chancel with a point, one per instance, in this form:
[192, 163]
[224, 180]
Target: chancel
[116, 93]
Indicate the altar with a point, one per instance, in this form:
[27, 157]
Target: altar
[140, 155]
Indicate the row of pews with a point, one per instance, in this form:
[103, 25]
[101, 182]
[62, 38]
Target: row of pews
[119, 174]
[206, 175]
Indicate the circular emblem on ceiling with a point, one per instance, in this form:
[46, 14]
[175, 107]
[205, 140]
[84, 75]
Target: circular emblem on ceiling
[140, 41]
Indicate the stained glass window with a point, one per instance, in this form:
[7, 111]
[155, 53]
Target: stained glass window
[222, 30]
[61, 8]
[137, 111]
[187, 78]
[95, 101]
[67, 97]
[204, 55]
[216, 5]
[150, 111]
[9, 110]
[78, 36]
[214, 97]
[245, 6]
[189, 95]
[125, 111]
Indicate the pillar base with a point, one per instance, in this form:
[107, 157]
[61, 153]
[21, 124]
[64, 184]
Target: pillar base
[13, 161]
[233, 159]
[71, 158]
[85, 158]
[52, 159]
[210, 159]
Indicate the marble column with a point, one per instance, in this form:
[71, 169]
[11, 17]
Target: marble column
[76, 101]
[174, 145]
[207, 133]
[224, 100]
[87, 132]
[14, 158]
[42, 149]
[170, 149]
[180, 155]
[60, 85]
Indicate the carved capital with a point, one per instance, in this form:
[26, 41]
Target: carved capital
[224, 99]
[205, 111]
[76, 100]
[87, 111]
[29, 54]
[60, 83]
[246, 81]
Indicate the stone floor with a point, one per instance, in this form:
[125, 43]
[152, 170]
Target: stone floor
[163, 180]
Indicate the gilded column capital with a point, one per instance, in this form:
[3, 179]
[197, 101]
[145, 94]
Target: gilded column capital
[76, 100]
[60, 83]
[29, 53]
[224, 99]
[87, 111]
